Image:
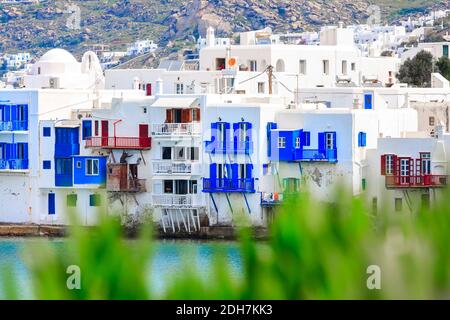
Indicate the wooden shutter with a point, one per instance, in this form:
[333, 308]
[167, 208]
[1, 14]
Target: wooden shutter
[383, 165]
[169, 118]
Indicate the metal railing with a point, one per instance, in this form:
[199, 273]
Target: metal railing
[180, 129]
[119, 142]
[425, 181]
[329, 155]
[14, 164]
[172, 168]
[13, 125]
[175, 200]
[229, 185]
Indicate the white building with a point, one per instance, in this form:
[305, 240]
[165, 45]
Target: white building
[141, 47]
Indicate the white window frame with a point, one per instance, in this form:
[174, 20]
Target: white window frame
[281, 142]
[389, 165]
[90, 165]
[297, 142]
[261, 87]
[179, 88]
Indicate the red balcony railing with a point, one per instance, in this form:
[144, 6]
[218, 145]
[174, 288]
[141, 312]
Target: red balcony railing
[425, 181]
[119, 143]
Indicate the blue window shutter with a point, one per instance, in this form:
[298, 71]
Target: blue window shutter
[249, 169]
[235, 136]
[364, 139]
[25, 151]
[25, 113]
[212, 175]
[51, 204]
[235, 171]
[334, 140]
[7, 113]
[306, 139]
[87, 129]
[249, 131]
[321, 141]
[14, 110]
[227, 135]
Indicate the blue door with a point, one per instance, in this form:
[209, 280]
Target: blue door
[51, 204]
[368, 101]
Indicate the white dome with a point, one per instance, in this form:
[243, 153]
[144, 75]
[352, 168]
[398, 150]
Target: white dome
[58, 55]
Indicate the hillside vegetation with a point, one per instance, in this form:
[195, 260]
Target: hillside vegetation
[37, 27]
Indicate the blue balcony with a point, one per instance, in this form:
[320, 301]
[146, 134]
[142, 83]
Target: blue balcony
[218, 147]
[14, 164]
[63, 150]
[329, 155]
[229, 185]
[243, 147]
[13, 125]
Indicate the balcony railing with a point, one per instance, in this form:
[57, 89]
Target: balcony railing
[229, 185]
[328, 155]
[175, 200]
[13, 125]
[425, 181]
[176, 129]
[14, 164]
[136, 143]
[175, 168]
[223, 147]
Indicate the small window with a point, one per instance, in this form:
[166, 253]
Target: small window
[145, 110]
[297, 142]
[363, 184]
[253, 65]
[362, 139]
[431, 121]
[179, 88]
[353, 66]
[344, 67]
[95, 200]
[72, 200]
[194, 154]
[306, 138]
[389, 164]
[260, 87]
[78, 164]
[47, 164]
[92, 166]
[398, 204]
[281, 142]
[325, 67]
[180, 153]
[47, 132]
[166, 153]
[303, 67]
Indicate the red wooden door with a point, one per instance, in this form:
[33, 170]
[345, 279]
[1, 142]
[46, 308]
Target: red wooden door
[143, 131]
[105, 132]
[148, 89]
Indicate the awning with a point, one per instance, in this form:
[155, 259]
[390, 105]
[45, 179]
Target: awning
[175, 103]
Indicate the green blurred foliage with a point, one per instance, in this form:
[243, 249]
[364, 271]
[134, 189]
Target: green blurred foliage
[315, 251]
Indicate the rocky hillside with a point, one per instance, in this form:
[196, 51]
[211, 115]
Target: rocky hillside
[37, 27]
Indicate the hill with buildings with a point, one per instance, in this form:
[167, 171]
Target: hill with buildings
[39, 25]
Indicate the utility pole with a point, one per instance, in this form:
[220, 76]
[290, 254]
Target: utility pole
[270, 73]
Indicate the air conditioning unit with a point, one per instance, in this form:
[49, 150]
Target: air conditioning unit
[54, 83]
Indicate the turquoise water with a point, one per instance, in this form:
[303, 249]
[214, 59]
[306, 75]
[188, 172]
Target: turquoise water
[167, 260]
